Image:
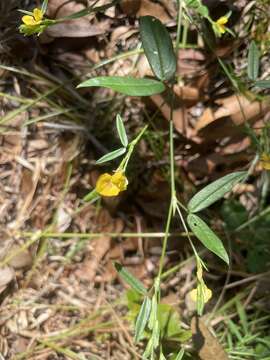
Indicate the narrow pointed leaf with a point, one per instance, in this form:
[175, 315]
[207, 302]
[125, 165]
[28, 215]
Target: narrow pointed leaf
[112, 155]
[142, 319]
[209, 239]
[121, 131]
[162, 357]
[158, 47]
[265, 84]
[126, 85]
[44, 6]
[136, 284]
[180, 355]
[253, 61]
[214, 191]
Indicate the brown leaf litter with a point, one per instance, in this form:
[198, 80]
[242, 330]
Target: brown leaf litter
[74, 296]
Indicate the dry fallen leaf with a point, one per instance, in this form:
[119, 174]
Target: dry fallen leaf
[72, 28]
[130, 7]
[7, 274]
[22, 259]
[154, 9]
[179, 115]
[235, 110]
[88, 269]
[205, 343]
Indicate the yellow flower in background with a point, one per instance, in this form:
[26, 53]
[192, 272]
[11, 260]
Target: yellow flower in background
[207, 294]
[265, 161]
[34, 19]
[111, 185]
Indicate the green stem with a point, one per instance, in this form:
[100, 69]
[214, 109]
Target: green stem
[252, 220]
[99, 235]
[179, 21]
[172, 170]
[173, 200]
[165, 241]
[124, 162]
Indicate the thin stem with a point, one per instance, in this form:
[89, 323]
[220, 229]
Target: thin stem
[124, 162]
[173, 200]
[165, 241]
[172, 170]
[186, 229]
[98, 235]
[252, 220]
[179, 21]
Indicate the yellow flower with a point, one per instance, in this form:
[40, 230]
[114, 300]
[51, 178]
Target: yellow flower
[34, 19]
[207, 294]
[265, 161]
[219, 25]
[111, 185]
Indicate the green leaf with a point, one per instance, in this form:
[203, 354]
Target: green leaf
[180, 355]
[170, 324]
[162, 357]
[214, 191]
[156, 335]
[200, 298]
[112, 155]
[121, 131]
[130, 279]
[153, 315]
[142, 319]
[209, 239]
[253, 61]
[44, 6]
[265, 84]
[158, 47]
[126, 85]
[148, 350]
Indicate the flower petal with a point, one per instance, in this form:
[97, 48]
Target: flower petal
[105, 186]
[29, 20]
[38, 15]
[120, 180]
[222, 20]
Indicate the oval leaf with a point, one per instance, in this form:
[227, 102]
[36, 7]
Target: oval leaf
[112, 155]
[158, 47]
[121, 131]
[126, 85]
[214, 191]
[136, 284]
[253, 61]
[209, 239]
[142, 319]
